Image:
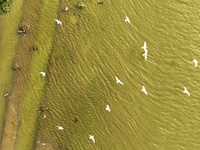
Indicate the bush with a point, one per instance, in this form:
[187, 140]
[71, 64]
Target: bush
[4, 6]
[80, 5]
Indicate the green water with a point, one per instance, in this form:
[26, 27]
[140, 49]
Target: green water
[101, 45]
[82, 58]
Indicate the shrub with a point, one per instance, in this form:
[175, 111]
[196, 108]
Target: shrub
[80, 5]
[4, 6]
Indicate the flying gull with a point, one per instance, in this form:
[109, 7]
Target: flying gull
[92, 138]
[127, 20]
[195, 62]
[186, 91]
[144, 90]
[118, 81]
[108, 108]
[60, 127]
[43, 74]
[58, 21]
[144, 47]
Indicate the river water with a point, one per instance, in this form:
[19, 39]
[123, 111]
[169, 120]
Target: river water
[82, 58]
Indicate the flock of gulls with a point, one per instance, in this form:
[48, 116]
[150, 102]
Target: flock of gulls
[144, 47]
[118, 81]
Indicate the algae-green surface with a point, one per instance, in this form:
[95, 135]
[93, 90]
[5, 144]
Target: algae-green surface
[82, 57]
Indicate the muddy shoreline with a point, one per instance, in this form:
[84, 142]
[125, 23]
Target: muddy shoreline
[11, 118]
[24, 51]
[10, 125]
[23, 61]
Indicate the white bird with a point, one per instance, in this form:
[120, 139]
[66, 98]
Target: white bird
[195, 62]
[186, 91]
[43, 74]
[144, 47]
[144, 90]
[58, 21]
[145, 55]
[66, 8]
[127, 20]
[92, 138]
[6, 94]
[118, 81]
[108, 108]
[60, 127]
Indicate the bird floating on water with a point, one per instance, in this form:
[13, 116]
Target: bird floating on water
[43, 144]
[108, 108]
[44, 116]
[195, 62]
[43, 74]
[60, 127]
[92, 138]
[127, 19]
[186, 91]
[144, 90]
[58, 21]
[118, 81]
[144, 47]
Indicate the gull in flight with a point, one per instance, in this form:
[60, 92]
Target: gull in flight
[127, 20]
[60, 128]
[195, 62]
[43, 74]
[5, 95]
[144, 90]
[144, 47]
[58, 21]
[66, 8]
[145, 56]
[186, 91]
[108, 108]
[118, 81]
[92, 138]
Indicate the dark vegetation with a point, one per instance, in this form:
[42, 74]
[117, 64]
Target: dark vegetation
[4, 6]
[80, 5]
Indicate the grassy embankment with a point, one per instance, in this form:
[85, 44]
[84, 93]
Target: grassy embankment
[35, 83]
[23, 57]
[8, 41]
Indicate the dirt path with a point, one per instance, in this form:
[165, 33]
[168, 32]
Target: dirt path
[10, 125]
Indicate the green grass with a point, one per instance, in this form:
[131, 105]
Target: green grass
[36, 83]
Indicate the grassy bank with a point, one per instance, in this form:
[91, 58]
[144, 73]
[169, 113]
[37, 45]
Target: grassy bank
[35, 83]
[8, 42]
